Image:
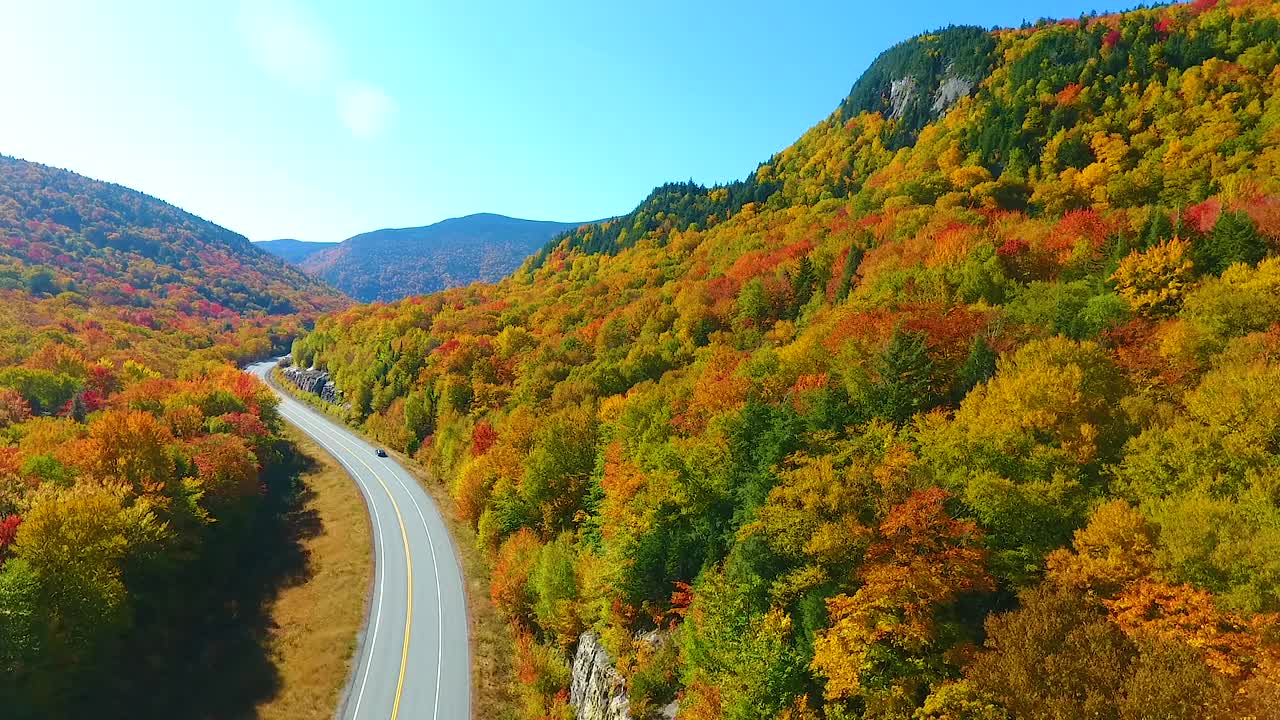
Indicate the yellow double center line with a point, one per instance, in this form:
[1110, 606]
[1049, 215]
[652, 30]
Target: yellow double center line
[408, 559]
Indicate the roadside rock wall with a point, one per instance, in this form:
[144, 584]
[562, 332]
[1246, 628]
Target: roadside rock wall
[316, 382]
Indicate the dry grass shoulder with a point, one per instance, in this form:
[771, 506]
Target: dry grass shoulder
[316, 622]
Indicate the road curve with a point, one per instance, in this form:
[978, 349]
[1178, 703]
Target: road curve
[413, 659]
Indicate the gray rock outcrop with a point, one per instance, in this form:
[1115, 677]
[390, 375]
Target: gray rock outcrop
[952, 89]
[316, 382]
[902, 92]
[597, 690]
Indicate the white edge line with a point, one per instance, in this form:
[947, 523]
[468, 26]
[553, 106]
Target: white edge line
[435, 568]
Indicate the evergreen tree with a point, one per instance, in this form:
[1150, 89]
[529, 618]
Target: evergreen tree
[906, 384]
[978, 368]
[1234, 240]
[1159, 228]
[851, 263]
[803, 282]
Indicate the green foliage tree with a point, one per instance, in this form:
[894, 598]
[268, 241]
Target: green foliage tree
[803, 282]
[1159, 228]
[554, 586]
[46, 391]
[558, 467]
[852, 260]
[419, 414]
[979, 366]
[739, 660]
[906, 382]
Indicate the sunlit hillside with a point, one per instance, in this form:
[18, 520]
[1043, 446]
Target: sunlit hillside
[962, 406]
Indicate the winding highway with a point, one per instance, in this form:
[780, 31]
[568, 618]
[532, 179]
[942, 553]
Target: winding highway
[413, 658]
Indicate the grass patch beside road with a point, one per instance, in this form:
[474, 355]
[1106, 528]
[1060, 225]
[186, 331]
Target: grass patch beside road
[315, 623]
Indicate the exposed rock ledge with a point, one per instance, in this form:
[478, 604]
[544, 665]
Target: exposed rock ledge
[316, 382]
[596, 690]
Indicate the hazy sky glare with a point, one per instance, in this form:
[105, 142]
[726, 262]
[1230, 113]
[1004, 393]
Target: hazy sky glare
[323, 119]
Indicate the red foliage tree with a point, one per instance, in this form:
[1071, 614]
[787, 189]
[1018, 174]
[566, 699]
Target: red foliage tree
[13, 407]
[8, 533]
[483, 436]
[228, 469]
[1203, 216]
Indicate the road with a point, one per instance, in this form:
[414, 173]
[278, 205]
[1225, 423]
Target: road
[413, 658]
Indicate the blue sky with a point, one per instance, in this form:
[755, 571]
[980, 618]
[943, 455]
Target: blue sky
[323, 119]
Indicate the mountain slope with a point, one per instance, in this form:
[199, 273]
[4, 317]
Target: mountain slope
[949, 410]
[911, 84]
[117, 245]
[293, 251]
[116, 274]
[396, 263]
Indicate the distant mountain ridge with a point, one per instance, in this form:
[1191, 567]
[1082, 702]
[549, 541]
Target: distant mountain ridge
[293, 251]
[394, 263]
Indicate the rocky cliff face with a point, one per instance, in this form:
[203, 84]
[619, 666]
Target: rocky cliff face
[597, 691]
[316, 382]
[915, 82]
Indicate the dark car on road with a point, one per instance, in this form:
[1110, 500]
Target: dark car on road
[380, 452]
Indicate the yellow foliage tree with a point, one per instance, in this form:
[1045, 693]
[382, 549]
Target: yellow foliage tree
[1155, 282]
[1117, 547]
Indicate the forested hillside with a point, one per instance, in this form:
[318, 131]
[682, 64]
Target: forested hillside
[397, 263]
[962, 406]
[116, 274]
[139, 470]
[117, 246]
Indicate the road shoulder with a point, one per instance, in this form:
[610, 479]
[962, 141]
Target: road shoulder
[316, 623]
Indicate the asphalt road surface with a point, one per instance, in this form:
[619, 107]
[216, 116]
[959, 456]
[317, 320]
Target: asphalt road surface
[413, 658]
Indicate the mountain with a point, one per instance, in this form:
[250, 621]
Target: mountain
[961, 406]
[293, 251]
[118, 245]
[911, 84]
[396, 263]
[118, 274]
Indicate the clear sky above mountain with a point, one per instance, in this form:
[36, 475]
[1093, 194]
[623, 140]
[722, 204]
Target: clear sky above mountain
[323, 119]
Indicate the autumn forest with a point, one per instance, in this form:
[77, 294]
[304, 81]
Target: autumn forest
[962, 406]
